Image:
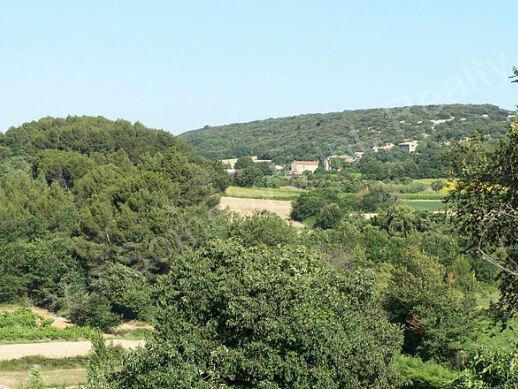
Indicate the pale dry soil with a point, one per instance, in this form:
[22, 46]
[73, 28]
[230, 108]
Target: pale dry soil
[57, 349]
[68, 378]
[247, 207]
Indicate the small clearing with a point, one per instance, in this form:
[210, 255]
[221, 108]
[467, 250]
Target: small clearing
[247, 207]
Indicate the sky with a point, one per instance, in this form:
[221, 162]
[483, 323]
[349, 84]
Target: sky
[181, 65]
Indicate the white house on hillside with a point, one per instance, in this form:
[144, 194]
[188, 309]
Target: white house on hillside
[409, 146]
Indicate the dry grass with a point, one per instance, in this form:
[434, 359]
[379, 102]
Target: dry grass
[247, 207]
[52, 378]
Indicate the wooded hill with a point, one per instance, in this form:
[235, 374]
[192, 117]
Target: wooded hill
[314, 136]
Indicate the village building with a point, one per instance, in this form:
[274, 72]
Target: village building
[230, 163]
[386, 146]
[358, 155]
[299, 167]
[409, 146]
[345, 158]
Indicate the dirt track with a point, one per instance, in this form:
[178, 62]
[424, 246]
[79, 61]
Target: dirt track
[56, 349]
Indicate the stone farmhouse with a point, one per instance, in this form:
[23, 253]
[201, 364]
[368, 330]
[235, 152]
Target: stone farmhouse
[299, 167]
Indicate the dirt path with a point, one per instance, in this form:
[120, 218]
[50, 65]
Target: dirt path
[57, 349]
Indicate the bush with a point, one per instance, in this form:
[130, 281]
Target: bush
[424, 375]
[253, 317]
[310, 203]
[329, 216]
[438, 185]
[263, 228]
[435, 316]
[24, 325]
[491, 369]
[246, 177]
[94, 310]
[378, 196]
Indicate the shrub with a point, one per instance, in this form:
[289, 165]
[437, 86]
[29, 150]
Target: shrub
[329, 216]
[490, 369]
[95, 311]
[435, 316]
[256, 317]
[378, 196]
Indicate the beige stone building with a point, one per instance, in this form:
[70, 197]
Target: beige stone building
[299, 167]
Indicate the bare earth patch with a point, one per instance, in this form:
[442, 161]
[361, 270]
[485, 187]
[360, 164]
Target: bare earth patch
[247, 207]
[57, 349]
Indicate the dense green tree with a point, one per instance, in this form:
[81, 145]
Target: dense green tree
[434, 314]
[244, 163]
[485, 203]
[247, 176]
[329, 216]
[378, 196]
[232, 316]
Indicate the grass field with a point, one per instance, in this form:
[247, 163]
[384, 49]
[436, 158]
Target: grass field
[290, 193]
[425, 205]
[284, 193]
[423, 196]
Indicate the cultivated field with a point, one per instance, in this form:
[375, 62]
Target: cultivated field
[284, 193]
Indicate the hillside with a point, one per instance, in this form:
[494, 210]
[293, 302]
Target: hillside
[315, 135]
[81, 201]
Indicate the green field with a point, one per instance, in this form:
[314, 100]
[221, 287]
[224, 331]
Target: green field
[284, 193]
[423, 196]
[290, 193]
[425, 205]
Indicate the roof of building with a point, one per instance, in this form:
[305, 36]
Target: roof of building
[305, 162]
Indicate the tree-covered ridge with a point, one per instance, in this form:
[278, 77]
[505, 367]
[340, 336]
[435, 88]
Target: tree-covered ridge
[314, 136]
[87, 135]
[82, 201]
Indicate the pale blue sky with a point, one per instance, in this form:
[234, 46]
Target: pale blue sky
[179, 65]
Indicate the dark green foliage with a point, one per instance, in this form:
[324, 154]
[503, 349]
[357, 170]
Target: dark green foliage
[320, 135]
[329, 216]
[434, 314]
[94, 310]
[82, 201]
[248, 176]
[485, 199]
[490, 368]
[87, 135]
[264, 228]
[378, 196]
[242, 317]
[35, 268]
[310, 203]
[244, 162]
[402, 220]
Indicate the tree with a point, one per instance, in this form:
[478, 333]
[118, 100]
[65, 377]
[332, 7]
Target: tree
[435, 316]
[490, 369]
[247, 176]
[378, 196]
[485, 203]
[329, 216]
[244, 163]
[232, 316]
